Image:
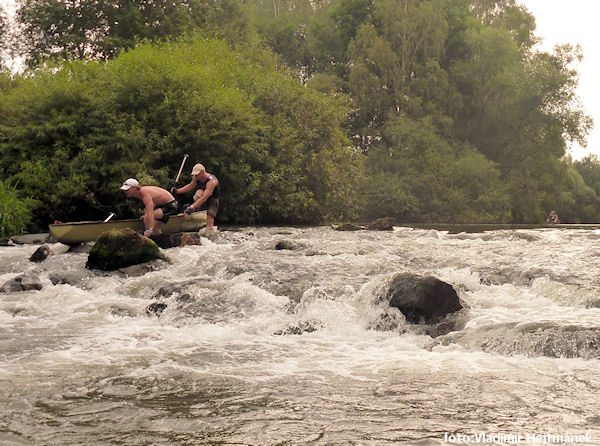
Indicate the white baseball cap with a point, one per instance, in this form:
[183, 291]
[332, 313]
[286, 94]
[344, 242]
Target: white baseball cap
[197, 169]
[129, 183]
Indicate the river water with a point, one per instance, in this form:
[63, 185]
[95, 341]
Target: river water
[261, 346]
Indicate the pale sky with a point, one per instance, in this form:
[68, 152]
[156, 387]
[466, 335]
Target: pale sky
[575, 22]
[559, 22]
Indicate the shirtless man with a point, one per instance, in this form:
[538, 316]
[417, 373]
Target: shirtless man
[159, 204]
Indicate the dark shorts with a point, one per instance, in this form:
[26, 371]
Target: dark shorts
[168, 209]
[211, 206]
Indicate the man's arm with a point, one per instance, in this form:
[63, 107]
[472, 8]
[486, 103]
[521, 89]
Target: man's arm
[187, 188]
[149, 211]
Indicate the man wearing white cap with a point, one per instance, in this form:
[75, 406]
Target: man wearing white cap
[159, 204]
[206, 196]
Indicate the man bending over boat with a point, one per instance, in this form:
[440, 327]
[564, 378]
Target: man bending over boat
[158, 202]
[206, 196]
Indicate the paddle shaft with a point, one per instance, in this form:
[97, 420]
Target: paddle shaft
[185, 157]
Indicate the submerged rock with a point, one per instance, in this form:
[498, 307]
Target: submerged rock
[300, 327]
[75, 277]
[41, 254]
[382, 224]
[115, 310]
[287, 244]
[80, 248]
[121, 248]
[24, 282]
[392, 319]
[30, 239]
[177, 240]
[347, 227]
[174, 288]
[137, 270]
[155, 309]
[529, 339]
[422, 299]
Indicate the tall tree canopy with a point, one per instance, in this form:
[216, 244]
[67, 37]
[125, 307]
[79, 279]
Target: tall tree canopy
[78, 29]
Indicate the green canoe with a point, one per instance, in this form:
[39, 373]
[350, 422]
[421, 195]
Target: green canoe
[88, 231]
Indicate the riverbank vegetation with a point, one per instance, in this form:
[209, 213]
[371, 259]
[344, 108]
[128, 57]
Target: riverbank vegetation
[307, 111]
[14, 212]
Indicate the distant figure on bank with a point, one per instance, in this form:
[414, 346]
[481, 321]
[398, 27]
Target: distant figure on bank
[159, 204]
[206, 194]
[553, 217]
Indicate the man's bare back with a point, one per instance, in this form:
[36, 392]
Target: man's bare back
[159, 204]
[158, 195]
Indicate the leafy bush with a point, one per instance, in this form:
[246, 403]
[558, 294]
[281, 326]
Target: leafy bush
[71, 135]
[14, 212]
[385, 195]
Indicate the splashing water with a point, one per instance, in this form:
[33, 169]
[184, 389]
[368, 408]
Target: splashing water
[257, 345]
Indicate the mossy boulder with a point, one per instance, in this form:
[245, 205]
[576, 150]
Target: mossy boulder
[121, 248]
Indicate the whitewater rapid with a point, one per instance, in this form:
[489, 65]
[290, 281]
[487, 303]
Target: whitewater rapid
[262, 346]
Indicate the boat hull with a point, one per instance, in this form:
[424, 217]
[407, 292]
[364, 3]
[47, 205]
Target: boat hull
[88, 231]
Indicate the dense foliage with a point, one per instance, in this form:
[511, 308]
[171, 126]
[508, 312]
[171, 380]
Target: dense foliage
[461, 119]
[14, 212]
[430, 110]
[70, 137]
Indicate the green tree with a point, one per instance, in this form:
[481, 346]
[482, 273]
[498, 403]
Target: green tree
[589, 169]
[416, 174]
[588, 202]
[81, 29]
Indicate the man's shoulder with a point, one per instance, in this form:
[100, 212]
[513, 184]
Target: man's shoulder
[153, 189]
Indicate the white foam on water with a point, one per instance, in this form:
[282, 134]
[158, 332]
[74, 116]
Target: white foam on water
[91, 349]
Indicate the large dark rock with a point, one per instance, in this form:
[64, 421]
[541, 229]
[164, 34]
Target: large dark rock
[24, 282]
[121, 248]
[422, 299]
[41, 254]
